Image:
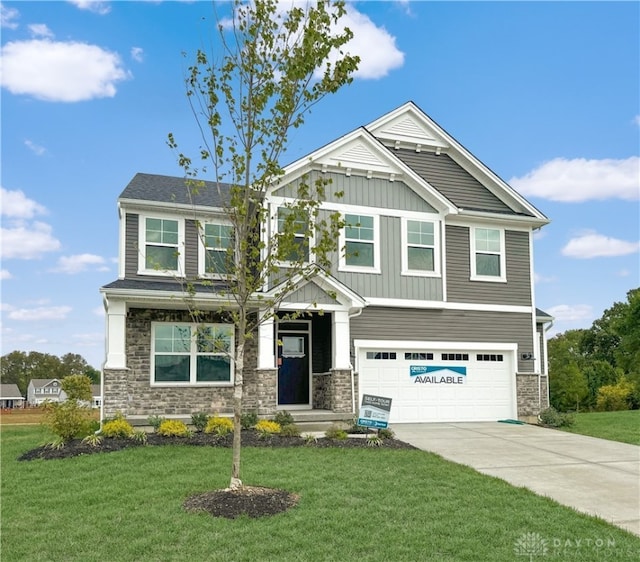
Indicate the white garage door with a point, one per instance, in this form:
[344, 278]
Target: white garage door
[440, 385]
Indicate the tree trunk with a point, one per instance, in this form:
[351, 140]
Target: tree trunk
[235, 482]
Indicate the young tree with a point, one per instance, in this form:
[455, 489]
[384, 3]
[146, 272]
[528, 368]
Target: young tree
[272, 69]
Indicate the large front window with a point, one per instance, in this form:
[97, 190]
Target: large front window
[217, 240]
[488, 256]
[360, 238]
[191, 353]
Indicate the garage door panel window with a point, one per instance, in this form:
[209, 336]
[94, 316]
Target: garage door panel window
[386, 355]
[454, 357]
[489, 357]
[418, 356]
[487, 254]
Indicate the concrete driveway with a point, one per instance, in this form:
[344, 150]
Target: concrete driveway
[594, 476]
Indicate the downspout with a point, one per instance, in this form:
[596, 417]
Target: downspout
[353, 382]
[546, 363]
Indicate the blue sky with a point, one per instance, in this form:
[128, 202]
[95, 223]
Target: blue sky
[546, 94]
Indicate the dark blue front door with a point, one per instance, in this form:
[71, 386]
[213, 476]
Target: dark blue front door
[293, 369]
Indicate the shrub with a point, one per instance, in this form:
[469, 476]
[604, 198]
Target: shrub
[68, 419]
[118, 427]
[77, 387]
[219, 425]
[173, 428]
[283, 418]
[335, 432]
[612, 397]
[93, 439]
[248, 420]
[374, 440]
[552, 418]
[155, 421]
[385, 433]
[199, 420]
[267, 427]
[290, 430]
[139, 436]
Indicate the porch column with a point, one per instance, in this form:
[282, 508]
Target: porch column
[340, 340]
[116, 335]
[266, 344]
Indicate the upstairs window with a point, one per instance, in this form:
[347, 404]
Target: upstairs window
[293, 246]
[360, 243]
[216, 241]
[161, 240]
[420, 248]
[487, 254]
[183, 354]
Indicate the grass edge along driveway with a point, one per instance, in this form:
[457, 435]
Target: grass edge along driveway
[622, 426]
[367, 504]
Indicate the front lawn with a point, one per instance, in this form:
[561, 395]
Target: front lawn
[355, 504]
[621, 426]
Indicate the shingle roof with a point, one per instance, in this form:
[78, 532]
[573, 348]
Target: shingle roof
[37, 383]
[163, 285]
[10, 391]
[95, 390]
[169, 189]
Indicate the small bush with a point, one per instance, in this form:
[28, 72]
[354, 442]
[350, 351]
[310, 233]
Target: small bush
[385, 433]
[93, 439]
[68, 420]
[199, 420]
[335, 432]
[155, 421]
[118, 427]
[267, 427]
[248, 420]
[552, 418]
[219, 425]
[283, 418]
[139, 436]
[374, 441]
[173, 428]
[613, 397]
[290, 430]
[309, 438]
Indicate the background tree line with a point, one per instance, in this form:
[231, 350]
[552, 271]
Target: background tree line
[598, 368]
[19, 367]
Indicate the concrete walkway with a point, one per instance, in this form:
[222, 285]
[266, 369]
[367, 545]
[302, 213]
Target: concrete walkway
[594, 476]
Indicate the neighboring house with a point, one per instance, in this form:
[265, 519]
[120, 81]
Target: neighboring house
[10, 396]
[43, 390]
[96, 401]
[432, 304]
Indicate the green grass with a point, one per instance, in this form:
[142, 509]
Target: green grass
[621, 426]
[356, 504]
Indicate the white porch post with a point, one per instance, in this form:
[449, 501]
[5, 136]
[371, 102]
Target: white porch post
[340, 337]
[116, 335]
[266, 345]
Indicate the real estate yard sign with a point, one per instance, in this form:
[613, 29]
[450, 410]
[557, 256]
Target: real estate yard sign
[374, 411]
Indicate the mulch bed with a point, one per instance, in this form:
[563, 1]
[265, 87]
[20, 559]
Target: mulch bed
[250, 501]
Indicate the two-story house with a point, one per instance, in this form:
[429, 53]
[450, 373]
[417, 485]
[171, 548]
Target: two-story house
[44, 390]
[430, 300]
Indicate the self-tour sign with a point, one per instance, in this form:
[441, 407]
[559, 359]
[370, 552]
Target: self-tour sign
[428, 374]
[374, 411]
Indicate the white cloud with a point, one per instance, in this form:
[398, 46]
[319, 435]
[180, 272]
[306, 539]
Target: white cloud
[79, 263]
[593, 245]
[40, 30]
[60, 71]
[137, 54]
[5, 307]
[35, 148]
[7, 17]
[580, 179]
[570, 313]
[27, 242]
[88, 340]
[541, 279]
[40, 313]
[95, 6]
[17, 205]
[5, 274]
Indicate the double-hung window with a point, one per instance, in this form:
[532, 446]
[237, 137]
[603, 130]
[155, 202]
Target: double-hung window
[293, 235]
[487, 254]
[183, 354]
[420, 248]
[161, 239]
[361, 251]
[214, 251]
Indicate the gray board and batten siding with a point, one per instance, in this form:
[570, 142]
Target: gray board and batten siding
[517, 289]
[399, 324]
[358, 190]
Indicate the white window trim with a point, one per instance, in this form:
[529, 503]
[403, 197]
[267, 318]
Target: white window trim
[405, 249]
[142, 246]
[342, 266]
[202, 250]
[274, 229]
[502, 278]
[193, 355]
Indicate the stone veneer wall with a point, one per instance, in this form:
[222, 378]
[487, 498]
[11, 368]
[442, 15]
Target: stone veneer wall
[532, 395]
[332, 391]
[129, 390]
